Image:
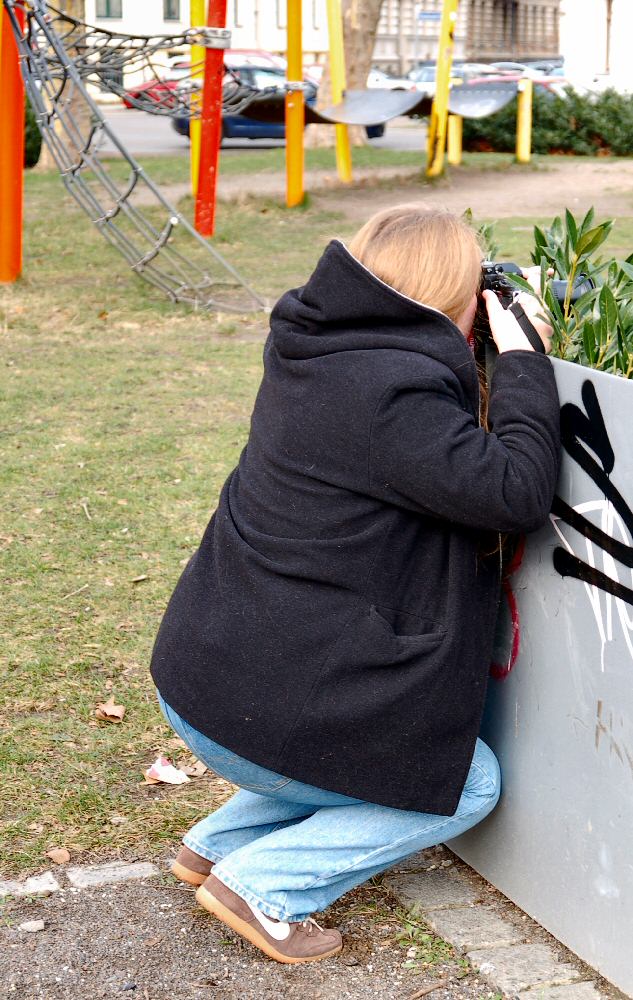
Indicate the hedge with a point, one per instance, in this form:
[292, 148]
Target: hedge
[32, 136]
[596, 124]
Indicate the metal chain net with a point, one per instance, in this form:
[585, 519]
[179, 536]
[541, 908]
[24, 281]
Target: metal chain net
[107, 59]
[127, 208]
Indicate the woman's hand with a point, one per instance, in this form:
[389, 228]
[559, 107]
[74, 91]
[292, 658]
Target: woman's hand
[506, 332]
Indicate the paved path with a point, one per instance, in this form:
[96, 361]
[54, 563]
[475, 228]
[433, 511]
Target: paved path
[105, 930]
[153, 135]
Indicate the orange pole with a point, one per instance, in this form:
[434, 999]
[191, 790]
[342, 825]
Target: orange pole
[211, 125]
[11, 151]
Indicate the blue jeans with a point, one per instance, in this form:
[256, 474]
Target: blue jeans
[290, 849]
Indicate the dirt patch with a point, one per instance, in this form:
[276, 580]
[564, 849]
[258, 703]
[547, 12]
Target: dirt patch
[543, 189]
[535, 191]
[150, 941]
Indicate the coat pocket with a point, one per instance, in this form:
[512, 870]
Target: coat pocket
[405, 627]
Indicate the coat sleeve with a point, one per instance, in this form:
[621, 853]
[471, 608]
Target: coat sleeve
[427, 453]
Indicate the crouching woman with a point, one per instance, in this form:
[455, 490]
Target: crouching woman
[327, 646]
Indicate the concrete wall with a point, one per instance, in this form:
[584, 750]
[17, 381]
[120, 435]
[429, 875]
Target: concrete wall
[561, 722]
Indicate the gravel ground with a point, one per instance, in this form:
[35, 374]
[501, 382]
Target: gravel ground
[151, 941]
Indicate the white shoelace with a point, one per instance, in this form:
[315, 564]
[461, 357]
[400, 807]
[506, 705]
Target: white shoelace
[309, 923]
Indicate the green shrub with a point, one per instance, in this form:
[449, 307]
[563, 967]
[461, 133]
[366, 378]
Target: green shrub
[597, 329]
[32, 136]
[596, 124]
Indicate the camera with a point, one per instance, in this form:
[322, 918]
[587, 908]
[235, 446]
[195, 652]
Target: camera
[493, 276]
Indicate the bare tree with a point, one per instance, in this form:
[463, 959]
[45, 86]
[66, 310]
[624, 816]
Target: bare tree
[607, 67]
[76, 106]
[360, 23]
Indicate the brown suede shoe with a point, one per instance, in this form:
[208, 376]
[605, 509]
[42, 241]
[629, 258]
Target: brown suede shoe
[190, 867]
[290, 943]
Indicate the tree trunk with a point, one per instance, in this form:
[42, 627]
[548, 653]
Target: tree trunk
[76, 105]
[609, 20]
[360, 23]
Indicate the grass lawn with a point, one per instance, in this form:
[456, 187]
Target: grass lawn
[121, 416]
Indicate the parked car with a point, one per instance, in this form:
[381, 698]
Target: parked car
[259, 76]
[522, 69]
[551, 67]
[424, 77]
[176, 72]
[554, 85]
[253, 57]
[151, 90]
[378, 79]
[176, 75]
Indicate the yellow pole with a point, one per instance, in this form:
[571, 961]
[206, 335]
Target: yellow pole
[439, 111]
[295, 117]
[198, 20]
[455, 135]
[524, 121]
[339, 83]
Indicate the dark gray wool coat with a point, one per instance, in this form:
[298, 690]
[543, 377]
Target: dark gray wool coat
[336, 623]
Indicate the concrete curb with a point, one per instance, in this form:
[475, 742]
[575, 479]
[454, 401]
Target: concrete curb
[507, 957]
[84, 877]
[513, 960]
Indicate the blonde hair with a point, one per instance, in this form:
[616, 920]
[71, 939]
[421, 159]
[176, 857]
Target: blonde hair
[428, 254]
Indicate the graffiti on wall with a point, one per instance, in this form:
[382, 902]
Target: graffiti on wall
[585, 439]
[606, 524]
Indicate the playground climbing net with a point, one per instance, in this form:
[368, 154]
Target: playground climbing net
[107, 59]
[128, 209]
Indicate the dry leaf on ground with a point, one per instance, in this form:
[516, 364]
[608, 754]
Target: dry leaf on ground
[109, 712]
[59, 855]
[162, 770]
[175, 743]
[194, 770]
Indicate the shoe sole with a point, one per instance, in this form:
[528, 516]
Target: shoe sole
[187, 875]
[218, 909]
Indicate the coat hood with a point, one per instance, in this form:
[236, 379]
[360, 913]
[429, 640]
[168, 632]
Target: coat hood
[345, 307]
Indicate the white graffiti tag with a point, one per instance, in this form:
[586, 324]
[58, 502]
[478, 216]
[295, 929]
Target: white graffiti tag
[606, 607]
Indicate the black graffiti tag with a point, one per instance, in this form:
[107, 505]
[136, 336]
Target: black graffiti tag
[580, 432]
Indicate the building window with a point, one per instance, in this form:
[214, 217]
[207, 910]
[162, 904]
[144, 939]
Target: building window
[109, 8]
[236, 14]
[171, 10]
[281, 13]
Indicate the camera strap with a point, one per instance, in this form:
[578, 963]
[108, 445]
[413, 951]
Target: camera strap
[527, 326]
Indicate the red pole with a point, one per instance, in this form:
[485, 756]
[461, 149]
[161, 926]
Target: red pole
[211, 128]
[11, 150]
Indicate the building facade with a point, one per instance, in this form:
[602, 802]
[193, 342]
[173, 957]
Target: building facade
[254, 24]
[512, 29]
[147, 17]
[408, 31]
[596, 42]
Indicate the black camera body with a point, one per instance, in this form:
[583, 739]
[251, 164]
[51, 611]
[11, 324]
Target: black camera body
[493, 277]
